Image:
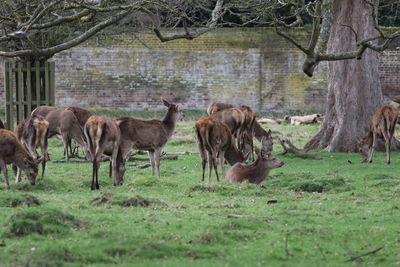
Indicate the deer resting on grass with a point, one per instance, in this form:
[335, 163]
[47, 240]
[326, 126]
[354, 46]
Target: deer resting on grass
[255, 172]
[104, 136]
[215, 141]
[33, 133]
[150, 135]
[382, 124]
[13, 152]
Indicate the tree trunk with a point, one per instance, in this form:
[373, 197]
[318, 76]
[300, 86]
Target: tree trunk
[354, 91]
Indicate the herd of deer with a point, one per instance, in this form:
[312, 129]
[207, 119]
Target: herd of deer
[225, 134]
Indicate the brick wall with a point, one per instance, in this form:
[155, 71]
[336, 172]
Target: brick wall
[247, 66]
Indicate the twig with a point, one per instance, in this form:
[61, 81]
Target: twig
[365, 254]
[288, 254]
[182, 153]
[290, 148]
[244, 216]
[147, 159]
[140, 166]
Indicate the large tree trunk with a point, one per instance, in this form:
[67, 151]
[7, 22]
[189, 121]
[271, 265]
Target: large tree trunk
[354, 91]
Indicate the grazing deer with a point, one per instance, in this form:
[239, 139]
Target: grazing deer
[104, 136]
[13, 152]
[255, 127]
[150, 135]
[64, 123]
[214, 140]
[33, 133]
[257, 171]
[382, 124]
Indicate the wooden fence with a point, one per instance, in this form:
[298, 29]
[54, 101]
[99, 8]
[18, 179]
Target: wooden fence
[27, 86]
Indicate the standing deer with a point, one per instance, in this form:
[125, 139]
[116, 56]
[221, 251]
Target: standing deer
[64, 123]
[382, 124]
[33, 133]
[257, 130]
[82, 115]
[150, 135]
[104, 136]
[13, 152]
[257, 171]
[214, 140]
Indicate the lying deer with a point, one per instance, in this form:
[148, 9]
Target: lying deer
[150, 135]
[257, 171]
[64, 123]
[382, 124]
[33, 133]
[214, 140]
[13, 152]
[104, 136]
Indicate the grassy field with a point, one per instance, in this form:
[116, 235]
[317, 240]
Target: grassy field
[326, 213]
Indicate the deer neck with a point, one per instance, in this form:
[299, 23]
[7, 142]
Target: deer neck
[232, 155]
[170, 119]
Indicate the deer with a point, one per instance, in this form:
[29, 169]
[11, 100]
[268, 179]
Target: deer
[32, 133]
[104, 137]
[150, 135]
[63, 122]
[13, 152]
[255, 172]
[82, 115]
[257, 130]
[215, 140]
[382, 124]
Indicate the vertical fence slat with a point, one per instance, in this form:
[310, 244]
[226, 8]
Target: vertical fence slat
[28, 88]
[8, 67]
[52, 83]
[46, 83]
[20, 100]
[37, 81]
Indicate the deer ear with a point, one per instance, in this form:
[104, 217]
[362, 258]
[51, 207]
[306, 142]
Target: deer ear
[166, 103]
[269, 132]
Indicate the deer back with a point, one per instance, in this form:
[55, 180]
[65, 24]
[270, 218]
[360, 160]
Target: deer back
[218, 106]
[81, 114]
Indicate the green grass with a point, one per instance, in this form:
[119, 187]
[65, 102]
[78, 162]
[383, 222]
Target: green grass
[323, 213]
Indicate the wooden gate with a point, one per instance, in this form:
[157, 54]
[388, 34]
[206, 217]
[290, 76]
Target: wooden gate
[27, 85]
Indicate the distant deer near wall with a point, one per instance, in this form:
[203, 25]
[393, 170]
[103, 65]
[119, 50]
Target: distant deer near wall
[104, 136]
[257, 171]
[382, 124]
[13, 152]
[150, 135]
[214, 140]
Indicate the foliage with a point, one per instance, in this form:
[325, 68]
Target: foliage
[307, 213]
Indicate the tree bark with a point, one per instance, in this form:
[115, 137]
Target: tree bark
[354, 90]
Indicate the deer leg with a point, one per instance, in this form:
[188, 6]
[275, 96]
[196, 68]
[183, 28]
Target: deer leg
[114, 165]
[3, 167]
[92, 186]
[372, 148]
[65, 140]
[151, 156]
[388, 139]
[215, 164]
[157, 155]
[43, 148]
[18, 176]
[222, 162]
[210, 165]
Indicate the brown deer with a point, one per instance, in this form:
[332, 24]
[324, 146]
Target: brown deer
[82, 115]
[382, 124]
[257, 130]
[150, 135]
[63, 122]
[260, 133]
[32, 133]
[257, 171]
[13, 152]
[104, 136]
[214, 140]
